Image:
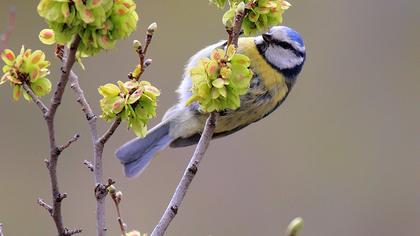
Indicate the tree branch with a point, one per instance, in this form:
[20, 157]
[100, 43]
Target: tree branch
[70, 142]
[236, 29]
[72, 232]
[45, 205]
[49, 116]
[68, 63]
[117, 197]
[110, 131]
[1, 230]
[188, 176]
[97, 154]
[98, 144]
[89, 165]
[206, 136]
[4, 37]
[54, 150]
[38, 102]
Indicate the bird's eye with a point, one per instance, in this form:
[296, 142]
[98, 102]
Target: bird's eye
[285, 45]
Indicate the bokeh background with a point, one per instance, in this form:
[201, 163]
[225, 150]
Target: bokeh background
[342, 152]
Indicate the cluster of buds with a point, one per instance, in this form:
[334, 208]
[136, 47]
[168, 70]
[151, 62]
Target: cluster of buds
[260, 14]
[116, 195]
[219, 81]
[99, 23]
[27, 67]
[133, 101]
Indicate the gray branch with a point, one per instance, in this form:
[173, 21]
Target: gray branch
[110, 131]
[99, 144]
[38, 102]
[188, 176]
[5, 36]
[55, 150]
[1, 229]
[206, 136]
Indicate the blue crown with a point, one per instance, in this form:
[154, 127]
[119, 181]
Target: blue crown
[295, 36]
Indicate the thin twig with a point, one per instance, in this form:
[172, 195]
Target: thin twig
[72, 232]
[45, 205]
[65, 75]
[188, 176]
[4, 37]
[89, 165]
[142, 52]
[99, 144]
[237, 25]
[117, 197]
[105, 137]
[49, 116]
[100, 190]
[38, 102]
[70, 142]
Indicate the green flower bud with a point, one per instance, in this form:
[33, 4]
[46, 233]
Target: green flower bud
[295, 226]
[132, 101]
[111, 189]
[47, 36]
[219, 81]
[263, 14]
[136, 44]
[152, 28]
[118, 196]
[99, 23]
[30, 67]
[240, 9]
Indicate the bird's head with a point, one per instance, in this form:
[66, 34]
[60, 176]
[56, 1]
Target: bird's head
[284, 49]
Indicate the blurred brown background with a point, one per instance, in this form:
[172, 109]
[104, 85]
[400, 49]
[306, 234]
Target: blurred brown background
[342, 152]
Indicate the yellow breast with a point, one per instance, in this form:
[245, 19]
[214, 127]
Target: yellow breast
[272, 79]
[255, 105]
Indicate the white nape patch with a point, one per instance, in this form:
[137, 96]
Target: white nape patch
[282, 58]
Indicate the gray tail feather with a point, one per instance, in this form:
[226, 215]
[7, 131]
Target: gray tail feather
[137, 153]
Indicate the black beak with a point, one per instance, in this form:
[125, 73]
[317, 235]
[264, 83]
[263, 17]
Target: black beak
[268, 37]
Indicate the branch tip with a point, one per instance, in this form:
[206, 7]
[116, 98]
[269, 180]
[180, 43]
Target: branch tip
[89, 165]
[45, 205]
[70, 142]
[68, 232]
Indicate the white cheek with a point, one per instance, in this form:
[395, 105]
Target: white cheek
[282, 58]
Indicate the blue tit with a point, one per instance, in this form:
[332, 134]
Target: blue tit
[277, 58]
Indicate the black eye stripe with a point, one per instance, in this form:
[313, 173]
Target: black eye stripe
[288, 46]
[283, 44]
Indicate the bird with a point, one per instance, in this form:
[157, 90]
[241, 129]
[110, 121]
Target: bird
[277, 58]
